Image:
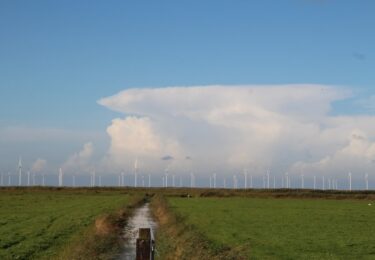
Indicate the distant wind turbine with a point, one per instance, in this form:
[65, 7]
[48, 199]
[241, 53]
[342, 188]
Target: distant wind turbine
[60, 177]
[20, 172]
[135, 172]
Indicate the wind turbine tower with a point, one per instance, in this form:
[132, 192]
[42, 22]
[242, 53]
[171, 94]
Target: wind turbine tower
[20, 172]
[366, 180]
[166, 177]
[60, 177]
[28, 178]
[350, 181]
[245, 175]
[135, 172]
[214, 180]
[302, 181]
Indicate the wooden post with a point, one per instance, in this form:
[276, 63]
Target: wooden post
[144, 245]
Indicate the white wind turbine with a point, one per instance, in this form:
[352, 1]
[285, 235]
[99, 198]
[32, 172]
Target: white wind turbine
[20, 172]
[245, 175]
[350, 181]
[366, 180]
[60, 177]
[166, 177]
[135, 172]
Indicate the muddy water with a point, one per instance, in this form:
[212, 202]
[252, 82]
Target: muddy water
[141, 219]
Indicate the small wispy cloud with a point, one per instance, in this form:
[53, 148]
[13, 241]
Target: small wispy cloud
[167, 158]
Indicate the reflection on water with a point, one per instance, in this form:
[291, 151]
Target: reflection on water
[141, 219]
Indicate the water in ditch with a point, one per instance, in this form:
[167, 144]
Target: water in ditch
[141, 219]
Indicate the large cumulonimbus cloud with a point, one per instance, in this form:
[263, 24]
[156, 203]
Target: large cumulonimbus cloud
[228, 128]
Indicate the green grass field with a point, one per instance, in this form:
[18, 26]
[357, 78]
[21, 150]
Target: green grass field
[268, 228]
[37, 224]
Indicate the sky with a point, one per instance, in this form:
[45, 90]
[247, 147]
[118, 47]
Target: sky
[210, 86]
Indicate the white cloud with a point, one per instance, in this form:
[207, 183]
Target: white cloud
[80, 161]
[39, 165]
[226, 128]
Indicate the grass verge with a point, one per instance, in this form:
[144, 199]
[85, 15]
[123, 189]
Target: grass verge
[177, 240]
[101, 240]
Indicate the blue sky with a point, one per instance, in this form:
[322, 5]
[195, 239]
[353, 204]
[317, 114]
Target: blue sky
[58, 58]
[59, 53]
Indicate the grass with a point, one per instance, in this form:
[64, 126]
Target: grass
[38, 224]
[269, 228]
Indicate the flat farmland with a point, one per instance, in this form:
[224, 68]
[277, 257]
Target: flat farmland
[38, 223]
[273, 228]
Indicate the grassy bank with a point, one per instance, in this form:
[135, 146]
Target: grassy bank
[177, 239]
[61, 223]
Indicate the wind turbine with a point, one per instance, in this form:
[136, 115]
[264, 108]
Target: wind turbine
[366, 180]
[9, 179]
[324, 184]
[20, 172]
[268, 179]
[60, 177]
[245, 175]
[119, 180]
[28, 178]
[302, 181]
[214, 180]
[135, 172]
[192, 180]
[149, 180]
[350, 181]
[251, 181]
[173, 182]
[166, 177]
[74, 180]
